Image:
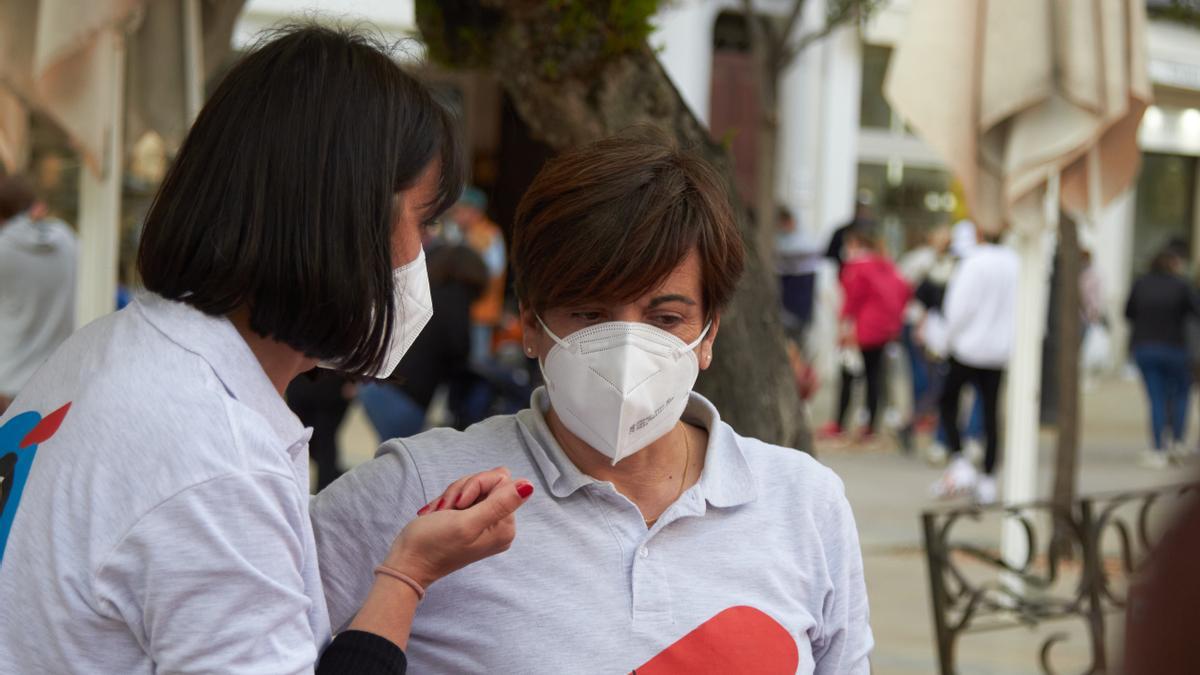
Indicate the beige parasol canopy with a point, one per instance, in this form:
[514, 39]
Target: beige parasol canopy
[57, 56]
[105, 71]
[14, 132]
[1010, 92]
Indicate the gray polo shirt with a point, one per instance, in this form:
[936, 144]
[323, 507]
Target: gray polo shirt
[756, 568]
[163, 525]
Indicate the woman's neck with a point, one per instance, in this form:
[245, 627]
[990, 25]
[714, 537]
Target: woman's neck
[653, 477]
[280, 362]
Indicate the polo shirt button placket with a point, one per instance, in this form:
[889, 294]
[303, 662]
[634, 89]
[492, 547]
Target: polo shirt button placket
[651, 590]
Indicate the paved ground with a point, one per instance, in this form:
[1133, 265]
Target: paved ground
[889, 492]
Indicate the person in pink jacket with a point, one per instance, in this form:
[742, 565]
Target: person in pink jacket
[875, 295]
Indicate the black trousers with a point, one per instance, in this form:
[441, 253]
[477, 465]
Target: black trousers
[873, 371]
[987, 383]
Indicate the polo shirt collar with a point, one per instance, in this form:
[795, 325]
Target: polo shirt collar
[725, 482]
[217, 341]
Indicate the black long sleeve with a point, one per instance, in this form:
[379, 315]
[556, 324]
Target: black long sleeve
[362, 653]
[1158, 306]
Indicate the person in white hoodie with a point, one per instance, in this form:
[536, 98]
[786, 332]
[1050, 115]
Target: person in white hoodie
[37, 285]
[980, 312]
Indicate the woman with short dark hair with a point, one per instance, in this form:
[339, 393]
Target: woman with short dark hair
[663, 541]
[1159, 306]
[160, 480]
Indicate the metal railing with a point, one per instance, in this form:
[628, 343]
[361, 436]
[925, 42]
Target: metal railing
[974, 590]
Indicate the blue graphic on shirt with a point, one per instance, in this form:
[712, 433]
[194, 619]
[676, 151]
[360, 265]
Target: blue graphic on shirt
[19, 440]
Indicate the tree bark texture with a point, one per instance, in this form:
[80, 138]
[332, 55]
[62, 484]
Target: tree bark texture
[572, 84]
[1069, 339]
[765, 46]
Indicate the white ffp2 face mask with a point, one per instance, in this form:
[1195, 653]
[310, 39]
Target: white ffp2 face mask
[620, 386]
[412, 307]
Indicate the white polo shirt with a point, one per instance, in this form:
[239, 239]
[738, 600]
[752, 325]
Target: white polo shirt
[756, 568]
[163, 525]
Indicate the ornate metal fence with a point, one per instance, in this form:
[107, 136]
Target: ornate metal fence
[974, 590]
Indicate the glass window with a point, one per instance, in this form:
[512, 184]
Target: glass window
[875, 112]
[908, 201]
[1166, 205]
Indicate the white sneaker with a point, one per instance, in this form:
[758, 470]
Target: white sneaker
[985, 491]
[1181, 453]
[936, 455]
[973, 450]
[959, 479]
[1155, 459]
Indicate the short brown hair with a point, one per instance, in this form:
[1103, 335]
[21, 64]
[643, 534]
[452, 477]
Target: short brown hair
[16, 196]
[609, 221]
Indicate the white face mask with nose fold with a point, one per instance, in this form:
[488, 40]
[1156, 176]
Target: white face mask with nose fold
[619, 386]
[412, 307]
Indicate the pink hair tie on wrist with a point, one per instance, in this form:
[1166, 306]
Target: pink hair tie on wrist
[401, 576]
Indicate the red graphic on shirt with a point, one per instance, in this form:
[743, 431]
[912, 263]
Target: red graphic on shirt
[738, 640]
[46, 428]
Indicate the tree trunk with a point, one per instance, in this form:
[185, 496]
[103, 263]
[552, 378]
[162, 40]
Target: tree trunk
[766, 204]
[1070, 320]
[572, 90]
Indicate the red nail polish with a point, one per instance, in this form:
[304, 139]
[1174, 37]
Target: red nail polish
[439, 505]
[423, 509]
[525, 489]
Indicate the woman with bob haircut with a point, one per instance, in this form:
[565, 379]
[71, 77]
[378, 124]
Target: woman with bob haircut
[156, 488]
[661, 540]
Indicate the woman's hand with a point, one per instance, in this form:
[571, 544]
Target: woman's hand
[846, 335]
[442, 542]
[465, 491]
[480, 524]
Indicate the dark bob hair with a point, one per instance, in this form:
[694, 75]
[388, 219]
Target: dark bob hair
[611, 220]
[283, 197]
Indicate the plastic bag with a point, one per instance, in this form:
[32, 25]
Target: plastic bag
[852, 361]
[1096, 353]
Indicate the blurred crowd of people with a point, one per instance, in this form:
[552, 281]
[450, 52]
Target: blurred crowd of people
[940, 317]
[945, 308]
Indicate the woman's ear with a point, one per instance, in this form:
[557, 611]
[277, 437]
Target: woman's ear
[706, 345]
[530, 330]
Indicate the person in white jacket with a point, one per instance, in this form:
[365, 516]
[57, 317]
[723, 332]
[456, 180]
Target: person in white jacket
[980, 312]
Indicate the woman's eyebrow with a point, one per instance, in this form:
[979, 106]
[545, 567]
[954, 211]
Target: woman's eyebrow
[663, 299]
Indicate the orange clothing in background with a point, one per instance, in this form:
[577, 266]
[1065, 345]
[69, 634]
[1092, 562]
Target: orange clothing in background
[486, 239]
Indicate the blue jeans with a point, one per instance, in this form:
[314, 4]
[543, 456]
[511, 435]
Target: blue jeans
[1167, 375]
[918, 367]
[392, 412]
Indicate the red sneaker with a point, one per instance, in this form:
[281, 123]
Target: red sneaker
[865, 437]
[927, 424]
[831, 431]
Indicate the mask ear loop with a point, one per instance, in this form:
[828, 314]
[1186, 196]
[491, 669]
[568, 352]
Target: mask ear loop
[549, 332]
[703, 334]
